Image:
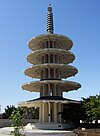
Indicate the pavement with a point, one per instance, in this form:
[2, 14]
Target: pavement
[36, 132]
[5, 131]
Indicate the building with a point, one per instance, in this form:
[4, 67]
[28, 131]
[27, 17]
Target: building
[50, 58]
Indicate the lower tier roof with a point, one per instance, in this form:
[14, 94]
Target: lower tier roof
[65, 85]
[56, 99]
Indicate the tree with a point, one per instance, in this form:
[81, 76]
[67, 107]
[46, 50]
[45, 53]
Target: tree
[29, 113]
[35, 113]
[16, 122]
[71, 112]
[90, 108]
[8, 111]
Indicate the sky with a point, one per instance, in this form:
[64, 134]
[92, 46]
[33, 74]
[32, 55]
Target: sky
[20, 20]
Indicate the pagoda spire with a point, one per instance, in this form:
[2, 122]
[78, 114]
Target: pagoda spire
[50, 20]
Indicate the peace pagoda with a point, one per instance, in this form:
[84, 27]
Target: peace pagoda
[50, 58]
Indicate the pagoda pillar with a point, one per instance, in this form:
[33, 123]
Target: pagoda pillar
[49, 116]
[43, 115]
[49, 73]
[55, 112]
[59, 113]
[48, 58]
[40, 113]
[49, 89]
[44, 59]
[54, 89]
[44, 112]
[54, 58]
[54, 72]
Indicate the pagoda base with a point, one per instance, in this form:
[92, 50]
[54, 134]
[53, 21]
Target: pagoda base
[50, 126]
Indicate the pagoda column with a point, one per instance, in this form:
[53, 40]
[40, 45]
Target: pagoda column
[43, 73]
[40, 113]
[48, 58]
[59, 113]
[49, 116]
[54, 87]
[43, 58]
[54, 57]
[43, 115]
[43, 89]
[55, 112]
[54, 72]
[48, 89]
[49, 73]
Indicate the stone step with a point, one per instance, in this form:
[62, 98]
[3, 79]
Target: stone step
[49, 126]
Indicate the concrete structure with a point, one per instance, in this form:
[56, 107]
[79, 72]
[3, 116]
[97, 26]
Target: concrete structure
[50, 57]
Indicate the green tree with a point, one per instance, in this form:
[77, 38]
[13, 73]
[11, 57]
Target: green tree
[35, 113]
[8, 111]
[16, 122]
[90, 108]
[29, 113]
[71, 112]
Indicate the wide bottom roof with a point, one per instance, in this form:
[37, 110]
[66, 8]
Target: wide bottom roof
[37, 102]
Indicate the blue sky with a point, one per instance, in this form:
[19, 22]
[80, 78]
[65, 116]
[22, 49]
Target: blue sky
[20, 20]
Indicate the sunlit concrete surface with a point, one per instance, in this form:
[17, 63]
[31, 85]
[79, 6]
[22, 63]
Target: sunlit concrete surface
[7, 130]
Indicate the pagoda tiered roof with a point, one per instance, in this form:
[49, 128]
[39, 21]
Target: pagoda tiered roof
[62, 41]
[65, 70]
[35, 57]
[66, 85]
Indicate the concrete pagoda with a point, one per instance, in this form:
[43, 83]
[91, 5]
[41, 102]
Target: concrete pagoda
[50, 58]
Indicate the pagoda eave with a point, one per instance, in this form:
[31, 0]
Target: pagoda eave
[37, 103]
[35, 57]
[29, 104]
[64, 42]
[64, 70]
[66, 85]
[47, 99]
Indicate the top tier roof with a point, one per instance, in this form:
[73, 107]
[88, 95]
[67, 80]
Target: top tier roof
[60, 41]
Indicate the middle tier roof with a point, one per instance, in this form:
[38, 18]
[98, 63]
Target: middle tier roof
[64, 70]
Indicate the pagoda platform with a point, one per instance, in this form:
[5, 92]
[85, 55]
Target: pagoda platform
[37, 132]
